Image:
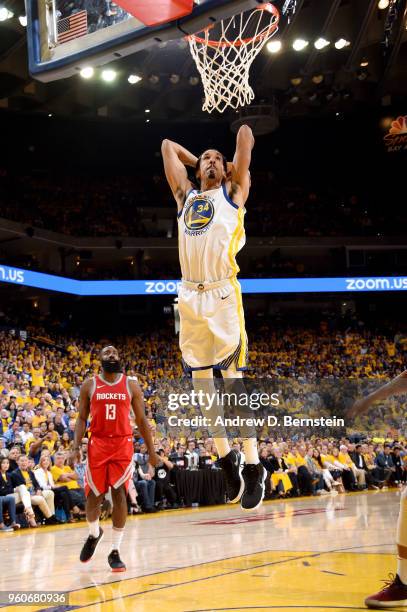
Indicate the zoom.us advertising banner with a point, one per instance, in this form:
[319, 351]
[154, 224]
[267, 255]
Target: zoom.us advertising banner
[62, 284]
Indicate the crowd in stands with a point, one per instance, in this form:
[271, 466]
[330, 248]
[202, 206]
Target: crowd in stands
[119, 206]
[40, 379]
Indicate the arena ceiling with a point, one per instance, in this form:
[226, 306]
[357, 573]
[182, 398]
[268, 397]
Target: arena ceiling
[302, 82]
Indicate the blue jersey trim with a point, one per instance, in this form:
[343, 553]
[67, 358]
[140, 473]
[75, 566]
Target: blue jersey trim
[228, 198]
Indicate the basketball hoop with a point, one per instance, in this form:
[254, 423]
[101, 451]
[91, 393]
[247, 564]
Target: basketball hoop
[224, 53]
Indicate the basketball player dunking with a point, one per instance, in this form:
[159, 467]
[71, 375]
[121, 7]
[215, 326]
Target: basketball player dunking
[394, 594]
[212, 327]
[108, 399]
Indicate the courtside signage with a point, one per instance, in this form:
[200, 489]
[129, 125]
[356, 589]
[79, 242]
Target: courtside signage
[61, 284]
[396, 138]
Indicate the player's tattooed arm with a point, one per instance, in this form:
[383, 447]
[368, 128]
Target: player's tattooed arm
[397, 386]
[137, 403]
[241, 163]
[84, 410]
[175, 159]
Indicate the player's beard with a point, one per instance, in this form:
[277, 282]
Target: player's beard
[112, 367]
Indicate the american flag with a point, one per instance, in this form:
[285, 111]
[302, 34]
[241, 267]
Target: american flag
[72, 27]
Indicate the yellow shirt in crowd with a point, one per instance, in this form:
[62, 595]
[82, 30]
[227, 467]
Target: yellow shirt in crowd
[37, 377]
[38, 419]
[56, 473]
[299, 461]
[345, 459]
[27, 479]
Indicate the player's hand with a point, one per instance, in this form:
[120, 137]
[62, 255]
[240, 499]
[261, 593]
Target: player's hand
[359, 407]
[155, 460]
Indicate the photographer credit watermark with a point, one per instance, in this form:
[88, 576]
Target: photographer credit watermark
[269, 421]
[246, 407]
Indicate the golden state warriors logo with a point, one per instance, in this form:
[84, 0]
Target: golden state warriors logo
[199, 214]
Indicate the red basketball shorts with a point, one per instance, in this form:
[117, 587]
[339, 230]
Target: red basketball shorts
[110, 463]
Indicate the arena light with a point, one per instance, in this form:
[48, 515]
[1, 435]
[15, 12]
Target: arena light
[134, 79]
[342, 43]
[321, 43]
[383, 4]
[5, 14]
[318, 79]
[23, 20]
[87, 72]
[274, 46]
[300, 44]
[109, 75]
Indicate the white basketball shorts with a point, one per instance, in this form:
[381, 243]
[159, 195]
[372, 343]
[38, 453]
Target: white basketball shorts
[212, 327]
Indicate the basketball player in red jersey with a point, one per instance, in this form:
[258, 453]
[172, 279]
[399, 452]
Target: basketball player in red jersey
[108, 398]
[394, 593]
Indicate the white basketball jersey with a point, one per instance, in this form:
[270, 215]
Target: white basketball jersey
[210, 234]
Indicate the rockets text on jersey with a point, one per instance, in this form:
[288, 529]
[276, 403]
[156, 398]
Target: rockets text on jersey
[110, 405]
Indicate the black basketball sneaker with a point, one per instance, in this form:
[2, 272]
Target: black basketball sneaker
[90, 546]
[116, 564]
[253, 494]
[232, 467]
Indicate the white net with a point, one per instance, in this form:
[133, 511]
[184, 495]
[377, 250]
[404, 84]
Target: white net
[224, 54]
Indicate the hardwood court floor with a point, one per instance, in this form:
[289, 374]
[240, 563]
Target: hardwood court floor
[319, 554]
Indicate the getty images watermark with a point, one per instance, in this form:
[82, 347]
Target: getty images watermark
[234, 409]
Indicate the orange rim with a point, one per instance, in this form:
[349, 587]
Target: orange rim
[270, 8]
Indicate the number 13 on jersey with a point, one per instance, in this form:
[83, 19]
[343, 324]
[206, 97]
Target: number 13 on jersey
[110, 412]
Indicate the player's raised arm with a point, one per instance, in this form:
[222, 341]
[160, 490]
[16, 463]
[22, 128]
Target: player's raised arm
[137, 403]
[175, 159]
[84, 410]
[396, 386]
[241, 162]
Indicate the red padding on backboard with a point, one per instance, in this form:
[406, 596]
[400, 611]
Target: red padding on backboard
[155, 12]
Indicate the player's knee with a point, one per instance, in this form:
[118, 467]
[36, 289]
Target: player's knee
[118, 494]
[95, 499]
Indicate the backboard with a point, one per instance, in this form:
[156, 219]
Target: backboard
[64, 37]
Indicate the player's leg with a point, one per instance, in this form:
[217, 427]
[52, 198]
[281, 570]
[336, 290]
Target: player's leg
[93, 506]
[230, 460]
[254, 474]
[95, 488]
[204, 384]
[119, 473]
[119, 516]
[394, 593]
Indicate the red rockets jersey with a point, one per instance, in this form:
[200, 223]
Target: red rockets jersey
[110, 405]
